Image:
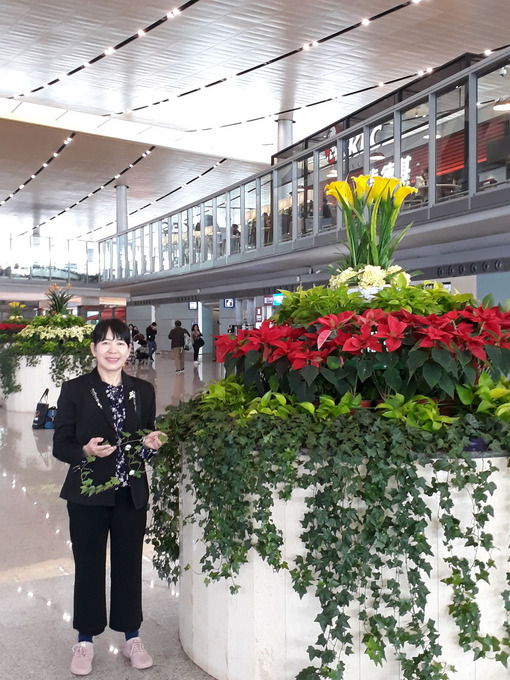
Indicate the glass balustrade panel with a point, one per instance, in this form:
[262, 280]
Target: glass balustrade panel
[328, 172]
[305, 209]
[250, 214]
[221, 226]
[208, 229]
[284, 203]
[266, 202]
[451, 144]
[197, 233]
[493, 128]
[414, 135]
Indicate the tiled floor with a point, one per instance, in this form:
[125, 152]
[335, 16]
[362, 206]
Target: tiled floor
[36, 566]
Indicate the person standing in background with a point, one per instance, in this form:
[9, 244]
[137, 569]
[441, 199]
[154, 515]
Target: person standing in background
[150, 334]
[197, 340]
[177, 337]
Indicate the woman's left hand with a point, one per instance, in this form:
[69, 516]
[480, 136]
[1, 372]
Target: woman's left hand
[154, 440]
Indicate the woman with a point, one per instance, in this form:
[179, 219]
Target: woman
[94, 411]
[131, 357]
[197, 340]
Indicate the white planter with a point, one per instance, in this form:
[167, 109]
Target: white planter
[33, 380]
[262, 632]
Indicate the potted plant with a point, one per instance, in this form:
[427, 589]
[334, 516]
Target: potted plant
[62, 338]
[286, 419]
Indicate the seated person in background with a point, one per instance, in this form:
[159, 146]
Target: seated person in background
[422, 180]
[141, 351]
[421, 183]
[236, 239]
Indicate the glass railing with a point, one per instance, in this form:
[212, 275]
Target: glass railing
[50, 259]
[451, 142]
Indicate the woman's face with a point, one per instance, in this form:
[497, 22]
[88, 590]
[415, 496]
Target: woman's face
[111, 353]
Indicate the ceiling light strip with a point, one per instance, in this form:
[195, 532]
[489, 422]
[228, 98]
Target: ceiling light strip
[142, 32]
[54, 155]
[304, 48]
[95, 191]
[173, 191]
[420, 74]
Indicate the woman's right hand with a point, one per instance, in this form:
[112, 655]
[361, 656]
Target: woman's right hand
[94, 447]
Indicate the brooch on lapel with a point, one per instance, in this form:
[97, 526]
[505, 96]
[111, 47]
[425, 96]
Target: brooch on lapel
[132, 397]
[96, 398]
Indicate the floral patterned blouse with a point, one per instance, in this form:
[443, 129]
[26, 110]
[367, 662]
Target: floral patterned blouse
[115, 394]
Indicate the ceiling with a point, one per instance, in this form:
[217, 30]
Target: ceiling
[181, 61]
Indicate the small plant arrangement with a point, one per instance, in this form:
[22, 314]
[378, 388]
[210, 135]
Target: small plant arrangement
[58, 298]
[63, 336]
[371, 206]
[16, 315]
[288, 417]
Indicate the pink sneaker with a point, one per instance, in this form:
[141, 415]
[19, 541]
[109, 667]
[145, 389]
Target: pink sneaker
[137, 654]
[82, 659]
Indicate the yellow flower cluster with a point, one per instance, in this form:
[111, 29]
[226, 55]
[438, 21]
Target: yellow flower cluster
[79, 333]
[370, 189]
[370, 276]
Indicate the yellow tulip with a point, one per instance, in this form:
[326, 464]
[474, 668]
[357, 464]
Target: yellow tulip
[361, 185]
[401, 194]
[340, 189]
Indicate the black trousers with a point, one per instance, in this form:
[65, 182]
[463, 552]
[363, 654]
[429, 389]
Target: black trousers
[90, 527]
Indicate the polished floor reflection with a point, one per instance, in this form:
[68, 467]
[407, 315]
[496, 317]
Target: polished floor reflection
[36, 566]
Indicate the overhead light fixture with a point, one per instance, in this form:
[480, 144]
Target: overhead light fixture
[377, 155]
[502, 104]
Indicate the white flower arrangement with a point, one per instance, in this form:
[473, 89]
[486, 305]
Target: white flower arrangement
[367, 277]
[79, 333]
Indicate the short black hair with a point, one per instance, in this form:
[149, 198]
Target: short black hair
[118, 328]
[178, 323]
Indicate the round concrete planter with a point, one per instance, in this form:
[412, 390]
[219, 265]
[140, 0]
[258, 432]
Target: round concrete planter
[262, 632]
[34, 380]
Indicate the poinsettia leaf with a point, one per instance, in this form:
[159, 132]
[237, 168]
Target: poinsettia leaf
[309, 373]
[415, 360]
[331, 376]
[230, 365]
[443, 358]
[322, 337]
[447, 384]
[295, 379]
[365, 370]
[393, 379]
[251, 358]
[432, 373]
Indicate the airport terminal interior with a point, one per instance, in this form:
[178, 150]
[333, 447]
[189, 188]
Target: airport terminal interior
[172, 162]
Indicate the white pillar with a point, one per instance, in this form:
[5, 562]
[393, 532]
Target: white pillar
[285, 137]
[122, 213]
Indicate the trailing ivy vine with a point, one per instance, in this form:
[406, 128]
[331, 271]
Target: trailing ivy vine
[370, 486]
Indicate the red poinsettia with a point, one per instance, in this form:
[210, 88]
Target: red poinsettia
[392, 332]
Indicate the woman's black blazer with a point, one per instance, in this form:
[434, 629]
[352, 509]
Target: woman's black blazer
[83, 412]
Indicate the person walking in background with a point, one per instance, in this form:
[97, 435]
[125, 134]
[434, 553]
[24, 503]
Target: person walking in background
[150, 334]
[177, 336]
[94, 412]
[197, 340]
